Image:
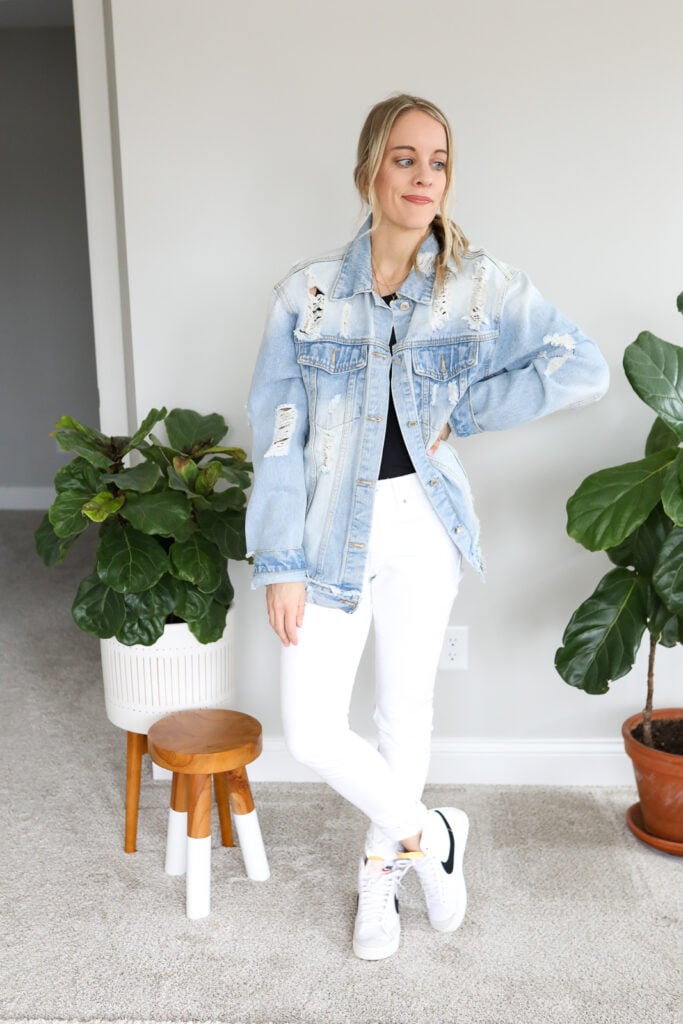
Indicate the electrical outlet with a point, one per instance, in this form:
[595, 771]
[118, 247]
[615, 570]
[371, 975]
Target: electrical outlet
[454, 650]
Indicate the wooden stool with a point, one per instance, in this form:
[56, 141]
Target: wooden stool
[196, 745]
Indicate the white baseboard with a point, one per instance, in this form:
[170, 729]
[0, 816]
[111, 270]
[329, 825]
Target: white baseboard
[26, 498]
[594, 762]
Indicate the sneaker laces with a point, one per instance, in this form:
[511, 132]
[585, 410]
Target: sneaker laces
[378, 886]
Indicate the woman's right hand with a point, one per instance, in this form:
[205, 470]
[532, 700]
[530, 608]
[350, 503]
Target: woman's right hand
[286, 603]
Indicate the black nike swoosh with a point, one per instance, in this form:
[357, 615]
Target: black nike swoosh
[447, 864]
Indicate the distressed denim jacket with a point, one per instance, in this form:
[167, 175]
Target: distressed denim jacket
[483, 352]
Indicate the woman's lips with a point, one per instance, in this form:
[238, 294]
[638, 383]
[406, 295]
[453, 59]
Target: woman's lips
[418, 200]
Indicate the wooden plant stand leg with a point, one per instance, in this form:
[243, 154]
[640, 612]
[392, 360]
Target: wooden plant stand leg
[247, 825]
[137, 746]
[199, 846]
[176, 837]
[220, 785]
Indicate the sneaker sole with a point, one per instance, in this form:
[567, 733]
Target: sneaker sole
[376, 952]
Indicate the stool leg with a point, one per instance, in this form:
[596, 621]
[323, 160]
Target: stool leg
[246, 823]
[176, 838]
[220, 785]
[199, 846]
[137, 746]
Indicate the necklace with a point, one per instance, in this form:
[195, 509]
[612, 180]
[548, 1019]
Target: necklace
[384, 285]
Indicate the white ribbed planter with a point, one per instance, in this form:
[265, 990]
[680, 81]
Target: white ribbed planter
[142, 684]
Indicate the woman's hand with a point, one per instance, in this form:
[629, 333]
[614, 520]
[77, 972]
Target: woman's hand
[286, 603]
[443, 436]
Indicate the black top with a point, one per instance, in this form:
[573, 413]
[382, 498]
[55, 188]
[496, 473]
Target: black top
[395, 458]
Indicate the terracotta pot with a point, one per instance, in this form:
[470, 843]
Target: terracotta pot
[659, 777]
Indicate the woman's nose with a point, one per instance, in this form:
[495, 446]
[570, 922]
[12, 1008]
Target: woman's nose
[423, 174]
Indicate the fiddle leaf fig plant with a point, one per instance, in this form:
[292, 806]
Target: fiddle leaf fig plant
[633, 512]
[167, 524]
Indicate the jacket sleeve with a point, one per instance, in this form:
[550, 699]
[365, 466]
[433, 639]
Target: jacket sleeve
[541, 362]
[278, 413]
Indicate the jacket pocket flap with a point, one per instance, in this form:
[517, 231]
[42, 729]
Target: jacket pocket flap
[332, 356]
[445, 361]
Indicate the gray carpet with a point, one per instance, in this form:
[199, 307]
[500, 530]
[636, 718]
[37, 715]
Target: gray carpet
[570, 920]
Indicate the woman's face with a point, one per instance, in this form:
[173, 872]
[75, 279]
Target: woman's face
[412, 176]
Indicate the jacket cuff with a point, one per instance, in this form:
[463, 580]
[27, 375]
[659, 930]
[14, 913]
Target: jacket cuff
[285, 566]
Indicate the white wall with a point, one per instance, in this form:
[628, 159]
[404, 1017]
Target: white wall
[238, 126]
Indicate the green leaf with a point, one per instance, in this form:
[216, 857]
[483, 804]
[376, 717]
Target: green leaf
[187, 469]
[66, 516]
[660, 437]
[210, 627]
[655, 371]
[69, 423]
[51, 548]
[177, 482]
[235, 453]
[672, 491]
[602, 638]
[207, 478]
[226, 530]
[161, 513]
[232, 498]
[641, 548]
[664, 626]
[225, 594]
[79, 475]
[128, 560]
[611, 503]
[190, 602]
[146, 613]
[235, 474]
[198, 561]
[97, 608]
[191, 433]
[140, 478]
[153, 417]
[70, 441]
[102, 506]
[668, 572]
[679, 303]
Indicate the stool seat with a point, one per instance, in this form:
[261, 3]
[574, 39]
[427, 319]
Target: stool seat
[205, 741]
[197, 745]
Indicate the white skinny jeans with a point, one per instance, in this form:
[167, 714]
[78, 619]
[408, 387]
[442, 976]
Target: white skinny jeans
[412, 577]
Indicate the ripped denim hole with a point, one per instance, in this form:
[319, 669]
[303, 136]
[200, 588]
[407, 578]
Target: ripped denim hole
[285, 419]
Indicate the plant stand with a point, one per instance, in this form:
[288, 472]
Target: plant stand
[144, 684]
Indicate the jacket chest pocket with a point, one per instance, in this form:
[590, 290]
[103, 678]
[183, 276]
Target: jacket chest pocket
[334, 374]
[444, 371]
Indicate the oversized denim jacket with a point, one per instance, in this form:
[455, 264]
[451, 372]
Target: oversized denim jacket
[484, 352]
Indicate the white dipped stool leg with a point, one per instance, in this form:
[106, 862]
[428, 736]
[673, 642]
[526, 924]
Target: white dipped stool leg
[199, 846]
[251, 844]
[198, 877]
[176, 843]
[176, 837]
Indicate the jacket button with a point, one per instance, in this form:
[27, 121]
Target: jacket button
[458, 529]
[404, 306]
[433, 483]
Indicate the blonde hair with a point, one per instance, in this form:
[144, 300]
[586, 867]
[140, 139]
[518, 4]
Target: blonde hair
[371, 145]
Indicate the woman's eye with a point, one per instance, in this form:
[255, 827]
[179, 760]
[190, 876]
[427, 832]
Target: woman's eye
[440, 165]
[405, 161]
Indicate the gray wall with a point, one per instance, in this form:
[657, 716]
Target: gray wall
[47, 361]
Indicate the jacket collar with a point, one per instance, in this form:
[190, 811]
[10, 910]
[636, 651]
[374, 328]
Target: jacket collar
[355, 273]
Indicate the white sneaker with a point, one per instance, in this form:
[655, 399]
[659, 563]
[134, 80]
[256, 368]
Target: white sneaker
[377, 931]
[439, 866]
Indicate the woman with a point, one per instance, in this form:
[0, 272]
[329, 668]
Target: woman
[360, 512]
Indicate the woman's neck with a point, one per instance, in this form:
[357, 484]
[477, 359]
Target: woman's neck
[392, 252]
